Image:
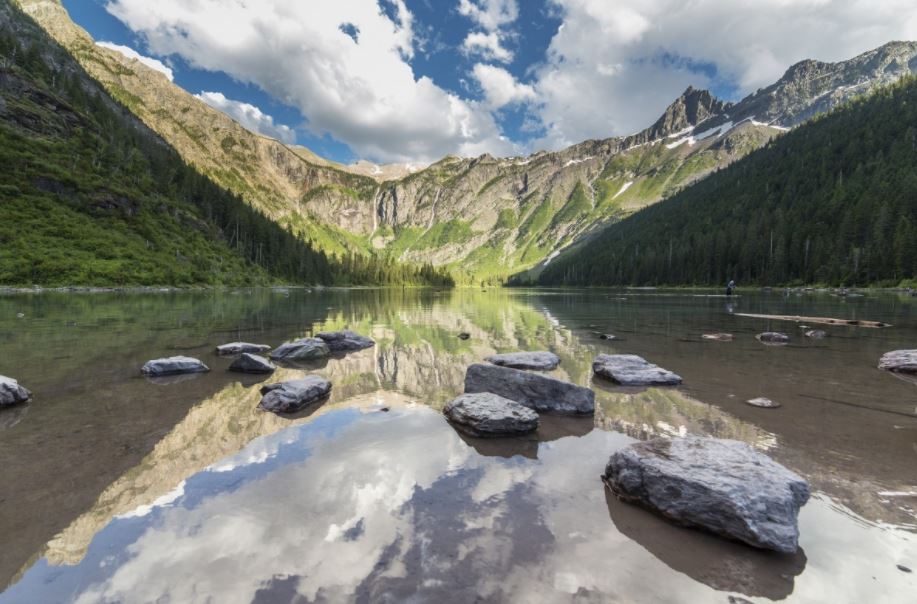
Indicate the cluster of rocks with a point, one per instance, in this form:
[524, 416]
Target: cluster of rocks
[282, 397]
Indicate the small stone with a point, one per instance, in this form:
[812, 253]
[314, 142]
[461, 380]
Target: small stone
[305, 349]
[540, 361]
[464, 335]
[607, 336]
[903, 568]
[773, 338]
[632, 370]
[764, 403]
[20, 315]
[345, 341]
[816, 334]
[718, 337]
[291, 396]
[252, 363]
[11, 393]
[173, 366]
[240, 347]
[488, 414]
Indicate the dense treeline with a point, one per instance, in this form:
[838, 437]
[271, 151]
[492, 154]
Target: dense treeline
[88, 195]
[832, 202]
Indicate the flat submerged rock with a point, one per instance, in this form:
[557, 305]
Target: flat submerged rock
[173, 366]
[304, 349]
[764, 403]
[345, 341]
[539, 361]
[773, 338]
[240, 347]
[291, 396]
[488, 414]
[533, 390]
[899, 361]
[252, 363]
[632, 370]
[723, 486]
[11, 393]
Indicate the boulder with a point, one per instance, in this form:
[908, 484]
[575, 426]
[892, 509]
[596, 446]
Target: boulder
[534, 390]
[11, 393]
[345, 341]
[240, 347]
[252, 363]
[899, 361]
[816, 334]
[764, 403]
[631, 370]
[718, 337]
[541, 361]
[173, 366]
[305, 349]
[773, 337]
[291, 396]
[488, 414]
[723, 486]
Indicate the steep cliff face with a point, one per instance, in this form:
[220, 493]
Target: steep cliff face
[482, 217]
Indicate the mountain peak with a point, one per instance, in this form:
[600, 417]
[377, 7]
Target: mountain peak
[688, 110]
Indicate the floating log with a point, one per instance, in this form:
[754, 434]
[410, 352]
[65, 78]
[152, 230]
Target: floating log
[821, 320]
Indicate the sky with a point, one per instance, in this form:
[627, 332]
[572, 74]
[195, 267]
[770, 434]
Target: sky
[416, 80]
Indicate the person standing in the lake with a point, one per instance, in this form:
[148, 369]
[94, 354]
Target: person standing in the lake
[730, 287]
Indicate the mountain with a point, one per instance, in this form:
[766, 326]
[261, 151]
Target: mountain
[483, 218]
[91, 196]
[834, 201]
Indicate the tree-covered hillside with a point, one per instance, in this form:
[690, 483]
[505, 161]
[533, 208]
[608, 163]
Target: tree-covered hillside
[90, 196]
[832, 202]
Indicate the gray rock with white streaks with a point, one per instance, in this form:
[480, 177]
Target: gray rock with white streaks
[240, 347]
[899, 361]
[534, 390]
[488, 414]
[291, 396]
[540, 361]
[345, 341]
[764, 403]
[723, 486]
[11, 393]
[632, 370]
[304, 349]
[252, 363]
[816, 334]
[173, 366]
[773, 337]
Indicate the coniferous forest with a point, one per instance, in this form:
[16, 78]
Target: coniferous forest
[832, 202]
[90, 196]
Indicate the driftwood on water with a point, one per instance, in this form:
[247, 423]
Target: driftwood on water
[820, 320]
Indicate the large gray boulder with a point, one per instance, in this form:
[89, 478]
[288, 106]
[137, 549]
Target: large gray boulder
[723, 486]
[899, 361]
[540, 361]
[240, 347]
[631, 370]
[345, 341]
[488, 414]
[305, 349]
[173, 366]
[11, 393]
[534, 390]
[252, 363]
[291, 396]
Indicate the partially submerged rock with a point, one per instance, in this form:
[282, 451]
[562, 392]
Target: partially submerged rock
[632, 370]
[899, 361]
[291, 396]
[540, 361]
[723, 486]
[607, 336]
[816, 334]
[345, 341]
[240, 347]
[304, 349]
[764, 403]
[718, 337]
[534, 390]
[464, 335]
[773, 337]
[488, 414]
[11, 393]
[252, 363]
[173, 366]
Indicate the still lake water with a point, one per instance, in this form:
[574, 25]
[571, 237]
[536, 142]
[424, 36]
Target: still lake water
[117, 489]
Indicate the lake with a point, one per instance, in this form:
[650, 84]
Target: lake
[114, 488]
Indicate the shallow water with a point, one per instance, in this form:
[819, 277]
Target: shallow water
[117, 489]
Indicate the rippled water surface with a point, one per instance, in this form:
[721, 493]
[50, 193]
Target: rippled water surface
[117, 489]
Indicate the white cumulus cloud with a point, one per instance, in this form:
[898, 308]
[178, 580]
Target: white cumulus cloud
[486, 45]
[249, 116]
[500, 87]
[490, 14]
[130, 53]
